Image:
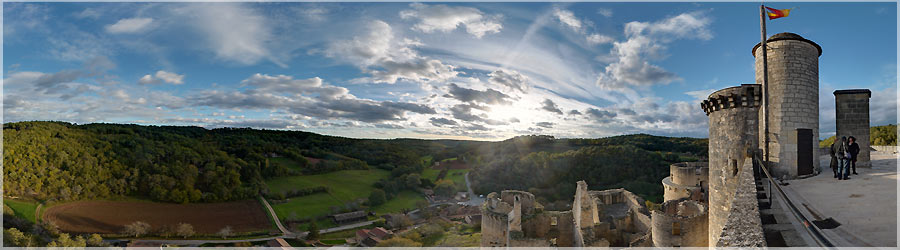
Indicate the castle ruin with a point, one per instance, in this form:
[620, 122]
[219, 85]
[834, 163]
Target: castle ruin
[706, 204]
[606, 218]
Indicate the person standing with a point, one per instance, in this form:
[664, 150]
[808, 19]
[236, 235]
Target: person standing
[854, 151]
[834, 159]
[841, 149]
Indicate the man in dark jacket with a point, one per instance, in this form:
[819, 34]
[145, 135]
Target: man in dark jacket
[841, 149]
[854, 151]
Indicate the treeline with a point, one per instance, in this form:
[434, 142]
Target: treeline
[878, 136]
[297, 193]
[58, 161]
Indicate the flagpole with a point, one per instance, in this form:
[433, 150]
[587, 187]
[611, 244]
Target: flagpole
[765, 81]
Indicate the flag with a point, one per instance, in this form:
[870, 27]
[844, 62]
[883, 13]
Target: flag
[776, 13]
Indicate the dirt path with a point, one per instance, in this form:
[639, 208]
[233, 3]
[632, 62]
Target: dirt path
[284, 230]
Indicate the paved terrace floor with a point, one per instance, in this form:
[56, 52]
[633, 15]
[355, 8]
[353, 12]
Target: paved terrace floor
[865, 205]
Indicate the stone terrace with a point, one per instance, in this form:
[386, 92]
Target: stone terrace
[865, 205]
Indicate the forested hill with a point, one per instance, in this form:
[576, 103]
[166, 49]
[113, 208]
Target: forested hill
[549, 168]
[60, 161]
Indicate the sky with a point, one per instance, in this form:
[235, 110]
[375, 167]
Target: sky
[483, 71]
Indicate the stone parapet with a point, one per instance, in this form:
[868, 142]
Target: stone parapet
[746, 95]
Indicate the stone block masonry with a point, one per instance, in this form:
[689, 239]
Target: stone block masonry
[733, 135]
[852, 119]
[793, 64]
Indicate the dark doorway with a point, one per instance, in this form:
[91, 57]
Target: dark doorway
[804, 151]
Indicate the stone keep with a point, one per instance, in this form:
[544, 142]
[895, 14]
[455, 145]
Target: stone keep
[793, 63]
[852, 119]
[733, 135]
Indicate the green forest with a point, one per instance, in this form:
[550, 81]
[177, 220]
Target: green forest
[58, 161]
[549, 168]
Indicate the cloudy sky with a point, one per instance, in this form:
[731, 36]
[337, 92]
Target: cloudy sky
[484, 71]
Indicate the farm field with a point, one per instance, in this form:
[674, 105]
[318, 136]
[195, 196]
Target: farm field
[406, 199]
[344, 186]
[24, 209]
[458, 176]
[109, 217]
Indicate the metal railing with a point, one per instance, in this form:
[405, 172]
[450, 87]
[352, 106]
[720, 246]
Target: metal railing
[810, 227]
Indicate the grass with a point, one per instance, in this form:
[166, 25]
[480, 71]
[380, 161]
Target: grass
[458, 176]
[24, 209]
[404, 200]
[430, 174]
[287, 162]
[344, 186]
[296, 243]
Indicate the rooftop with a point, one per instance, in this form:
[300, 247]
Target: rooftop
[787, 36]
[865, 205]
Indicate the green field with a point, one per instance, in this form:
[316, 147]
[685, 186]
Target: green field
[24, 209]
[344, 186]
[458, 176]
[405, 199]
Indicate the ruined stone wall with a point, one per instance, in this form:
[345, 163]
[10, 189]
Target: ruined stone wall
[526, 198]
[493, 229]
[566, 227]
[793, 64]
[680, 224]
[743, 227]
[852, 119]
[733, 135]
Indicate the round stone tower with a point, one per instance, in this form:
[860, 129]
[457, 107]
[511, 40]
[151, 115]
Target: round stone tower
[733, 136]
[793, 67]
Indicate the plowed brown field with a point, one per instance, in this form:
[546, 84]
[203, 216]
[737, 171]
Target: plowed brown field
[111, 216]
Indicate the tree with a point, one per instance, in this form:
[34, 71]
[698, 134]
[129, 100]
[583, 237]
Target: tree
[412, 181]
[377, 197]
[184, 230]
[399, 242]
[95, 241]
[14, 237]
[137, 228]
[445, 188]
[313, 230]
[225, 232]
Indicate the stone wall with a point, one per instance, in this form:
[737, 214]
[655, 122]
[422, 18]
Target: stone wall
[687, 180]
[852, 119]
[680, 224]
[793, 64]
[885, 149]
[743, 227]
[733, 135]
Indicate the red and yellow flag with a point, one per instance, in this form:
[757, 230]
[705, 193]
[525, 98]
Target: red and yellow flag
[776, 13]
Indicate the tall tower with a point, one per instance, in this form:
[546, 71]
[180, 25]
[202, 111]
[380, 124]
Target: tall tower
[793, 112]
[733, 136]
[851, 107]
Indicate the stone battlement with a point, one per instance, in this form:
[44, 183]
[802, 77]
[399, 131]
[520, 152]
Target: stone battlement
[746, 95]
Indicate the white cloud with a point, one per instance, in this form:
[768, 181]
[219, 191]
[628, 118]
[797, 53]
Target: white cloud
[702, 94]
[605, 12]
[568, 18]
[445, 18]
[129, 25]
[233, 31]
[595, 39]
[389, 59]
[162, 76]
[646, 41]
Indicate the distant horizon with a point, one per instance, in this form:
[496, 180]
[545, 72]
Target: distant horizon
[460, 71]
